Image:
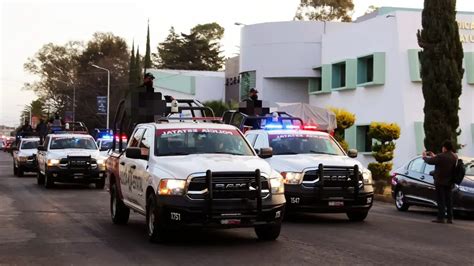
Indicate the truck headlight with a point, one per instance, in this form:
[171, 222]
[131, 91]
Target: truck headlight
[367, 177]
[53, 162]
[172, 187]
[101, 162]
[292, 178]
[277, 184]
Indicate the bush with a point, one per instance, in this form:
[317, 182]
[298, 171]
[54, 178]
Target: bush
[384, 134]
[345, 120]
[219, 107]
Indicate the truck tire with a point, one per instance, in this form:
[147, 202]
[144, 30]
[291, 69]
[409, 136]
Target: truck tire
[40, 178]
[48, 180]
[155, 228]
[20, 171]
[357, 216]
[118, 211]
[15, 170]
[268, 232]
[100, 184]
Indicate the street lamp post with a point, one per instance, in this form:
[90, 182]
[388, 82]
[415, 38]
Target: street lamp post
[108, 91]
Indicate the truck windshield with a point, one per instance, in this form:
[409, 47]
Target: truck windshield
[28, 145]
[72, 143]
[184, 141]
[303, 143]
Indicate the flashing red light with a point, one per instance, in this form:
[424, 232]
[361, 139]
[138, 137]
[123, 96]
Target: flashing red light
[310, 127]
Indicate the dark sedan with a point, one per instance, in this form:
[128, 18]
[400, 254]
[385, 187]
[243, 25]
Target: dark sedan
[412, 184]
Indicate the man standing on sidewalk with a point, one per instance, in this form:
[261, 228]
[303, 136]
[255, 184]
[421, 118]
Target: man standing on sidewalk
[444, 163]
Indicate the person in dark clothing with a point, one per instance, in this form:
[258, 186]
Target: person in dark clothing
[24, 130]
[148, 82]
[444, 163]
[42, 130]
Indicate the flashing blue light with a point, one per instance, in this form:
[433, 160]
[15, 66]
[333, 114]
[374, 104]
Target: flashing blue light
[106, 137]
[273, 126]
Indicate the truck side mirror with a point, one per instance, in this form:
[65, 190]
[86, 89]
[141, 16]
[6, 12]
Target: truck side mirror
[352, 153]
[133, 153]
[265, 153]
[41, 148]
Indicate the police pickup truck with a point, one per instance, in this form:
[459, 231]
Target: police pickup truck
[319, 176]
[70, 158]
[194, 174]
[24, 156]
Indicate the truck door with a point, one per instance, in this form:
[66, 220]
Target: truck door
[141, 171]
[127, 167]
[41, 155]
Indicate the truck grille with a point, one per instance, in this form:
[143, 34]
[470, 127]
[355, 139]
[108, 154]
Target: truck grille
[333, 176]
[78, 162]
[227, 185]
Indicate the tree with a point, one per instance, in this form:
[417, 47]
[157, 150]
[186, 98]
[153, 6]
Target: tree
[199, 50]
[384, 134]
[219, 107]
[138, 68]
[441, 72]
[54, 65]
[325, 10]
[131, 68]
[147, 59]
[371, 9]
[345, 120]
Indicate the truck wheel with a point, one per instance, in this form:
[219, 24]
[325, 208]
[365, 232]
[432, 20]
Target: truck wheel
[20, 172]
[48, 180]
[357, 216]
[268, 232]
[155, 228]
[400, 201]
[40, 178]
[100, 184]
[118, 211]
[15, 170]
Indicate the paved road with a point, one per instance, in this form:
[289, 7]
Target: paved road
[71, 225]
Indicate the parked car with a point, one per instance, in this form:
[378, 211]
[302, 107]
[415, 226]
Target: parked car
[412, 184]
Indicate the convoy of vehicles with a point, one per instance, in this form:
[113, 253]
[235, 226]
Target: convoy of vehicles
[182, 169]
[24, 156]
[70, 158]
[319, 175]
[413, 184]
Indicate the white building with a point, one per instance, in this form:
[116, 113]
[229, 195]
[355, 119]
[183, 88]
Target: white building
[369, 67]
[188, 84]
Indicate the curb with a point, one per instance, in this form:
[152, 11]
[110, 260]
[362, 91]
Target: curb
[383, 198]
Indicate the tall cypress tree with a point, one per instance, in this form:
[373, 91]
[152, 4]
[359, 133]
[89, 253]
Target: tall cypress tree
[138, 67]
[441, 71]
[147, 60]
[131, 69]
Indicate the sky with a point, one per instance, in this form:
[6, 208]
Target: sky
[27, 25]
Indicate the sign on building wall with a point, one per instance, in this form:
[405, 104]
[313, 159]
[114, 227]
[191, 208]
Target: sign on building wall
[466, 31]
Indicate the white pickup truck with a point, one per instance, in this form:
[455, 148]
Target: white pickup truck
[195, 174]
[24, 156]
[319, 175]
[70, 158]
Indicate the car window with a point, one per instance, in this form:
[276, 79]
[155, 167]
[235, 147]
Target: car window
[26, 145]
[251, 138]
[299, 143]
[135, 140]
[68, 142]
[146, 142]
[428, 169]
[417, 165]
[470, 168]
[261, 142]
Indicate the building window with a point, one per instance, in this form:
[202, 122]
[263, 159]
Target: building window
[414, 65]
[339, 75]
[247, 82]
[363, 141]
[314, 85]
[365, 69]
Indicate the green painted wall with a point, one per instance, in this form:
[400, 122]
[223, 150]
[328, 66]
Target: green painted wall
[469, 65]
[414, 65]
[419, 137]
[326, 78]
[351, 73]
[350, 137]
[174, 81]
